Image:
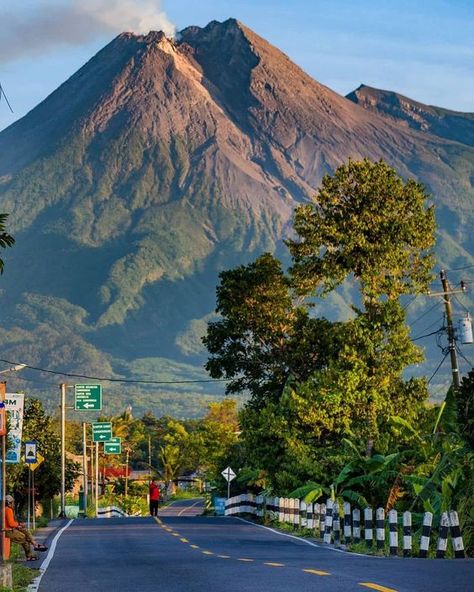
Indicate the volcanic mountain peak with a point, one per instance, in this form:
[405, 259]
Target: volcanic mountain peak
[162, 161]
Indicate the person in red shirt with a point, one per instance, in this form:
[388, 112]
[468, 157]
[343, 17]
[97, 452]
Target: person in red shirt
[17, 532]
[154, 492]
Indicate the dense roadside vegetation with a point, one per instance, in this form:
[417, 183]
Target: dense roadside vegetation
[332, 410]
[331, 407]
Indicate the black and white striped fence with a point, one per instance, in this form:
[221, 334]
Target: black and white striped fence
[324, 521]
[111, 512]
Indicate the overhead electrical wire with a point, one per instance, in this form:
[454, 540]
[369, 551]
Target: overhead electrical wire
[424, 314]
[428, 334]
[438, 367]
[122, 380]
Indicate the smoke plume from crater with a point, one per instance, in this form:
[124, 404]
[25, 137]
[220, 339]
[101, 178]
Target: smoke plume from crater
[74, 22]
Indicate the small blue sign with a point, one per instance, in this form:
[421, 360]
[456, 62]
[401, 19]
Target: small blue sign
[219, 506]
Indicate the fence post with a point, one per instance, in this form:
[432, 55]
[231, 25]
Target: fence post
[317, 518]
[368, 527]
[393, 527]
[456, 537]
[296, 512]
[380, 527]
[310, 516]
[328, 529]
[322, 520]
[281, 509]
[336, 523]
[347, 522]
[407, 538]
[303, 515]
[356, 525]
[443, 536]
[425, 535]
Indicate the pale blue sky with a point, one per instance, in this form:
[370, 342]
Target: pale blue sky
[424, 50]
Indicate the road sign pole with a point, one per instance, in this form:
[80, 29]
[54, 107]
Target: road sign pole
[3, 440]
[228, 489]
[62, 388]
[33, 499]
[84, 465]
[28, 497]
[96, 479]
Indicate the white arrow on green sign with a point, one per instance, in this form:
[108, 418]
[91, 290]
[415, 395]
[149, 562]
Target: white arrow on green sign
[113, 446]
[87, 397]
[101, 431]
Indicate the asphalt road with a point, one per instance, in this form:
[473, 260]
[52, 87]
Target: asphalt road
[181, 553]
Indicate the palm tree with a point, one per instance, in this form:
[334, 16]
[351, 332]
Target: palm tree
[6, 240]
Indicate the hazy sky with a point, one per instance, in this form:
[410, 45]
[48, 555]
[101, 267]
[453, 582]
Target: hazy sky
[424, 50]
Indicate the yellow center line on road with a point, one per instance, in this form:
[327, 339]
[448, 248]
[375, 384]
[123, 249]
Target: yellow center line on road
[245, 559]
[272, 564]
[207, 552]
[183, 540]
[175, 534]
[224, 556]
[317, 572]
[194, 546]
[377, 587]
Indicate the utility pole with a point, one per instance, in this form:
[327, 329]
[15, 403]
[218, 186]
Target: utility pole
[450, 329]
[84, 465]
[3, 439]
[127, 457]
[62, 388]
[96, 479]
[149, 451]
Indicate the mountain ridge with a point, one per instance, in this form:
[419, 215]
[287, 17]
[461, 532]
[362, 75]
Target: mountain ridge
[159, 163]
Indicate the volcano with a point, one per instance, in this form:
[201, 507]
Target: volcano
[161, 162]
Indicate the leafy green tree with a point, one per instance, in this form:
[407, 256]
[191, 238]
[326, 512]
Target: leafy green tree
[313, 382]
[264, 335]
[40, 427]
[465, 408]
[365, 223]
[6, 240]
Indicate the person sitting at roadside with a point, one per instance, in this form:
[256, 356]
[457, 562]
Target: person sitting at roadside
[18, 533]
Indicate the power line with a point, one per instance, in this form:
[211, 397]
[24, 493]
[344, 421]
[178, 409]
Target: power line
[2, 94]
[123, 380]
[461, 268]
[410, 302]
[424, 314]
[439, 366]
[464, 357]
[427, 335]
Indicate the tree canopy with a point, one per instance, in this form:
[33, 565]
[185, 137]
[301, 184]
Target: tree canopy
[313, 381]
[6, 240]
[368, 223]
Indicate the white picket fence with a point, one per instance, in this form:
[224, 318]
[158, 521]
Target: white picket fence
[342, 525]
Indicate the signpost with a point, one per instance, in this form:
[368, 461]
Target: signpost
[228, 475]
[87, 397]
[33, 459]
[113, 446]
[101, 431]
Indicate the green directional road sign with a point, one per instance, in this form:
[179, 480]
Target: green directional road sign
[101, 431]
[113, 446]
[87, 397]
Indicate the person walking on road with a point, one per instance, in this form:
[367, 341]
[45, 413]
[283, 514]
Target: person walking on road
[18, 533]
[154, 492]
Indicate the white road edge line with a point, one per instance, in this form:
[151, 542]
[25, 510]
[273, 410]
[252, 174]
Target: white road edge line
[301, 539]
[33, 587]
[189, 507]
